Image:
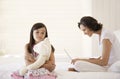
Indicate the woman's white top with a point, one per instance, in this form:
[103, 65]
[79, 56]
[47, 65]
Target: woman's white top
[115, 49]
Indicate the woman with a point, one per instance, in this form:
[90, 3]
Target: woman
[39, 55]
[108, 42]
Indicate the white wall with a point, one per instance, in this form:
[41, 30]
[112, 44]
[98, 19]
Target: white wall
[108, 13]
[60, 17]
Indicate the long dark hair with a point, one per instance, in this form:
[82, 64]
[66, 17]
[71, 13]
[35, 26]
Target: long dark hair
[32, 41]
[90, 23]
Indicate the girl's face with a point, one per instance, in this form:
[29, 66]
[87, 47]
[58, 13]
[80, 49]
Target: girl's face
[39, 34]
[86, 30]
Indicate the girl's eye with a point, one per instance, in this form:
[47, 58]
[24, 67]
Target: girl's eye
[42, 32]
[83, 30]
[37, 32]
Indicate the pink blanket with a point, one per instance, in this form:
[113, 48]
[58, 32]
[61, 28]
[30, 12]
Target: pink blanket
[15, 75]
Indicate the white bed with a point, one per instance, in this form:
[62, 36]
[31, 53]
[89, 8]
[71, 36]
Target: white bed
[62, 73]
[9, 63]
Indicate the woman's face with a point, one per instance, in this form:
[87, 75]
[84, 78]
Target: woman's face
[86, 30]
[39, 34]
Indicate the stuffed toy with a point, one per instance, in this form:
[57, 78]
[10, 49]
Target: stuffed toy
[43, 48]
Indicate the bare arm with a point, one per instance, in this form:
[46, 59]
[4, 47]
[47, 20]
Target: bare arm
[28, 57]
[50, 64]
[103, 60]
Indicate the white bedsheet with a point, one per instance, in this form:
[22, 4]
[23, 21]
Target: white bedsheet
[87, 75]
[10, 64]
[62, 74]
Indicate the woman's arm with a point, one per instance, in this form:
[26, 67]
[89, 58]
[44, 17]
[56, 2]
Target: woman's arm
[103, 60]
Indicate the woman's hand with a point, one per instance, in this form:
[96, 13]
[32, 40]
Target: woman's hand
[74, 60]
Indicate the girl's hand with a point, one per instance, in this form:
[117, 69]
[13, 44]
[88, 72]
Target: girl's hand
[29, 59]
[49, 65]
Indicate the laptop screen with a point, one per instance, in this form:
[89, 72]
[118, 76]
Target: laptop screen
[68, 54]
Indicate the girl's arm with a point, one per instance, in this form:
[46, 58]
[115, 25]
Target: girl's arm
[50, 64]
[103, 60]
[44, 50]
[28, 57]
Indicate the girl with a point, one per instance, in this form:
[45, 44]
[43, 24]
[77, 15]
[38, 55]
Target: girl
[39, 54]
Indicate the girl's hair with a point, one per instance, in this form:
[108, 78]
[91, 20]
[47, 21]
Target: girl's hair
[90, 23]
[32, 41]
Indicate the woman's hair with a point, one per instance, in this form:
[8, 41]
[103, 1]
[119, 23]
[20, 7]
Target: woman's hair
[90, 23]
[32, 41]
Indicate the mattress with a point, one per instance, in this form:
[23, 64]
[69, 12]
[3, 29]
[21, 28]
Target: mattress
[7, 66]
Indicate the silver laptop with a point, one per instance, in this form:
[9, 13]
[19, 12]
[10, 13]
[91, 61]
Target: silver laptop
[68, 54]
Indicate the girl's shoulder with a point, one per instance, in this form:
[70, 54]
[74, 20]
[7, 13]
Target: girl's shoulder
[27, 46]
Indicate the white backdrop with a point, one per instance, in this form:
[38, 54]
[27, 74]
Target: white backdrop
[60, 17]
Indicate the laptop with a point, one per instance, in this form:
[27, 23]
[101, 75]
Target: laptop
[68, 54]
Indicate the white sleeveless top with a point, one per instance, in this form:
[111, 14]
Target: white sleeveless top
[115, 50]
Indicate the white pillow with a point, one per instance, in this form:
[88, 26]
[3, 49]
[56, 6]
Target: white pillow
[115, 67]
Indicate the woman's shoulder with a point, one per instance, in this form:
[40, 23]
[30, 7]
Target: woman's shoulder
[107, 33]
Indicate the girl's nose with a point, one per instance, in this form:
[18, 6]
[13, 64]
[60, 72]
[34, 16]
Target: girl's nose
[85, 33]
